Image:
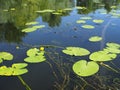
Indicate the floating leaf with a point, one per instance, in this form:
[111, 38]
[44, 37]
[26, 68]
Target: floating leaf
[85, 18]
[57, 13]
[19, 65]
[88, 27]
[35, 59]
[45, 11]
[6, 56]
[32, 23]
[95, 39]
[102, 56]
[76, 51]
[29, 29]
[12, 9]
[16, 69]
[19, 72]
[68, 9]
[38, 26]
[80, 21]
[78, 7]
[98, 21]
[112, 50]
[32, 52]
[113, 45]
[84, 68]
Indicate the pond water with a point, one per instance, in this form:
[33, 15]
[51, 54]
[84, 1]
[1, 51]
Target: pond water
[60, 25]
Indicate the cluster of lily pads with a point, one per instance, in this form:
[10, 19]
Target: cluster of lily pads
[34, 56]
[88, 68]
[32, 28]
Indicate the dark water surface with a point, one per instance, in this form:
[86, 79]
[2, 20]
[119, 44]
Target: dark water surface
[60, 31]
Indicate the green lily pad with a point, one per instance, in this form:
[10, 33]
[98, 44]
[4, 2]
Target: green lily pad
[32, 23]
[45, 11]
[113, 45]
[19, 72]
[80, 21]
[19, 65]
[29, 29]
[112, 50]
[32, 52]
[86, 18]
[38, 26]
[6, 56]
[102, 56]
[84, 68]
[12, 71]
[88, 26]
[35, 59]
[95, 39]
[76, 51]
[98, 21]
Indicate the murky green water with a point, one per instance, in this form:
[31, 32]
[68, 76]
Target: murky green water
[60, 29]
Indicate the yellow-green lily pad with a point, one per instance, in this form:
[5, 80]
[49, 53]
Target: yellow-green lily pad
[102, 56]
[76, 51]
[95, 38]
[98, 21]
[6, 56]
[80, 21]
[88, 26]
[84, 68]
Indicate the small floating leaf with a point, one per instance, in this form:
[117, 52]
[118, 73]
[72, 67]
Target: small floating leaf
[78, 7]
[113, 7]
[85, 18]
[6, 56]
[95, 39]
[29, 29]
[68, 9]
[12, 9]
[32, 23]
[102, 56]
[88, 26]
[80, 21]
[19, 72]
[19, 65]
[112, 50]
[76, 51]
[32, 52]
[84, 68]
[38, 26]
[98, 21]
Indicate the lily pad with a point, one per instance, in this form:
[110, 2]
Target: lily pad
[76, 51]
[98, 21]
[113, 45]
[80, 21]
[112, 50]
[35, 59]
[86, 18]
[32, 23]
[102, 56]
[29, 29]
[16, 69]
[19, 72]
[95, 39]
[32, 52]
[38, 26]
[84, 68]
[88, 27]
[19, 65]
[6, 56]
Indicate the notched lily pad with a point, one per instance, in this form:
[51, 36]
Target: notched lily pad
[88, 26]
[76, 51]
[84, 68]
[102, 56]
[19, 65]
[32, 52]
[113, 45]
[6, 56]
[95, 38]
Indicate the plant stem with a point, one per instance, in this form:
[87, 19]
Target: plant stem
[24, 83]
